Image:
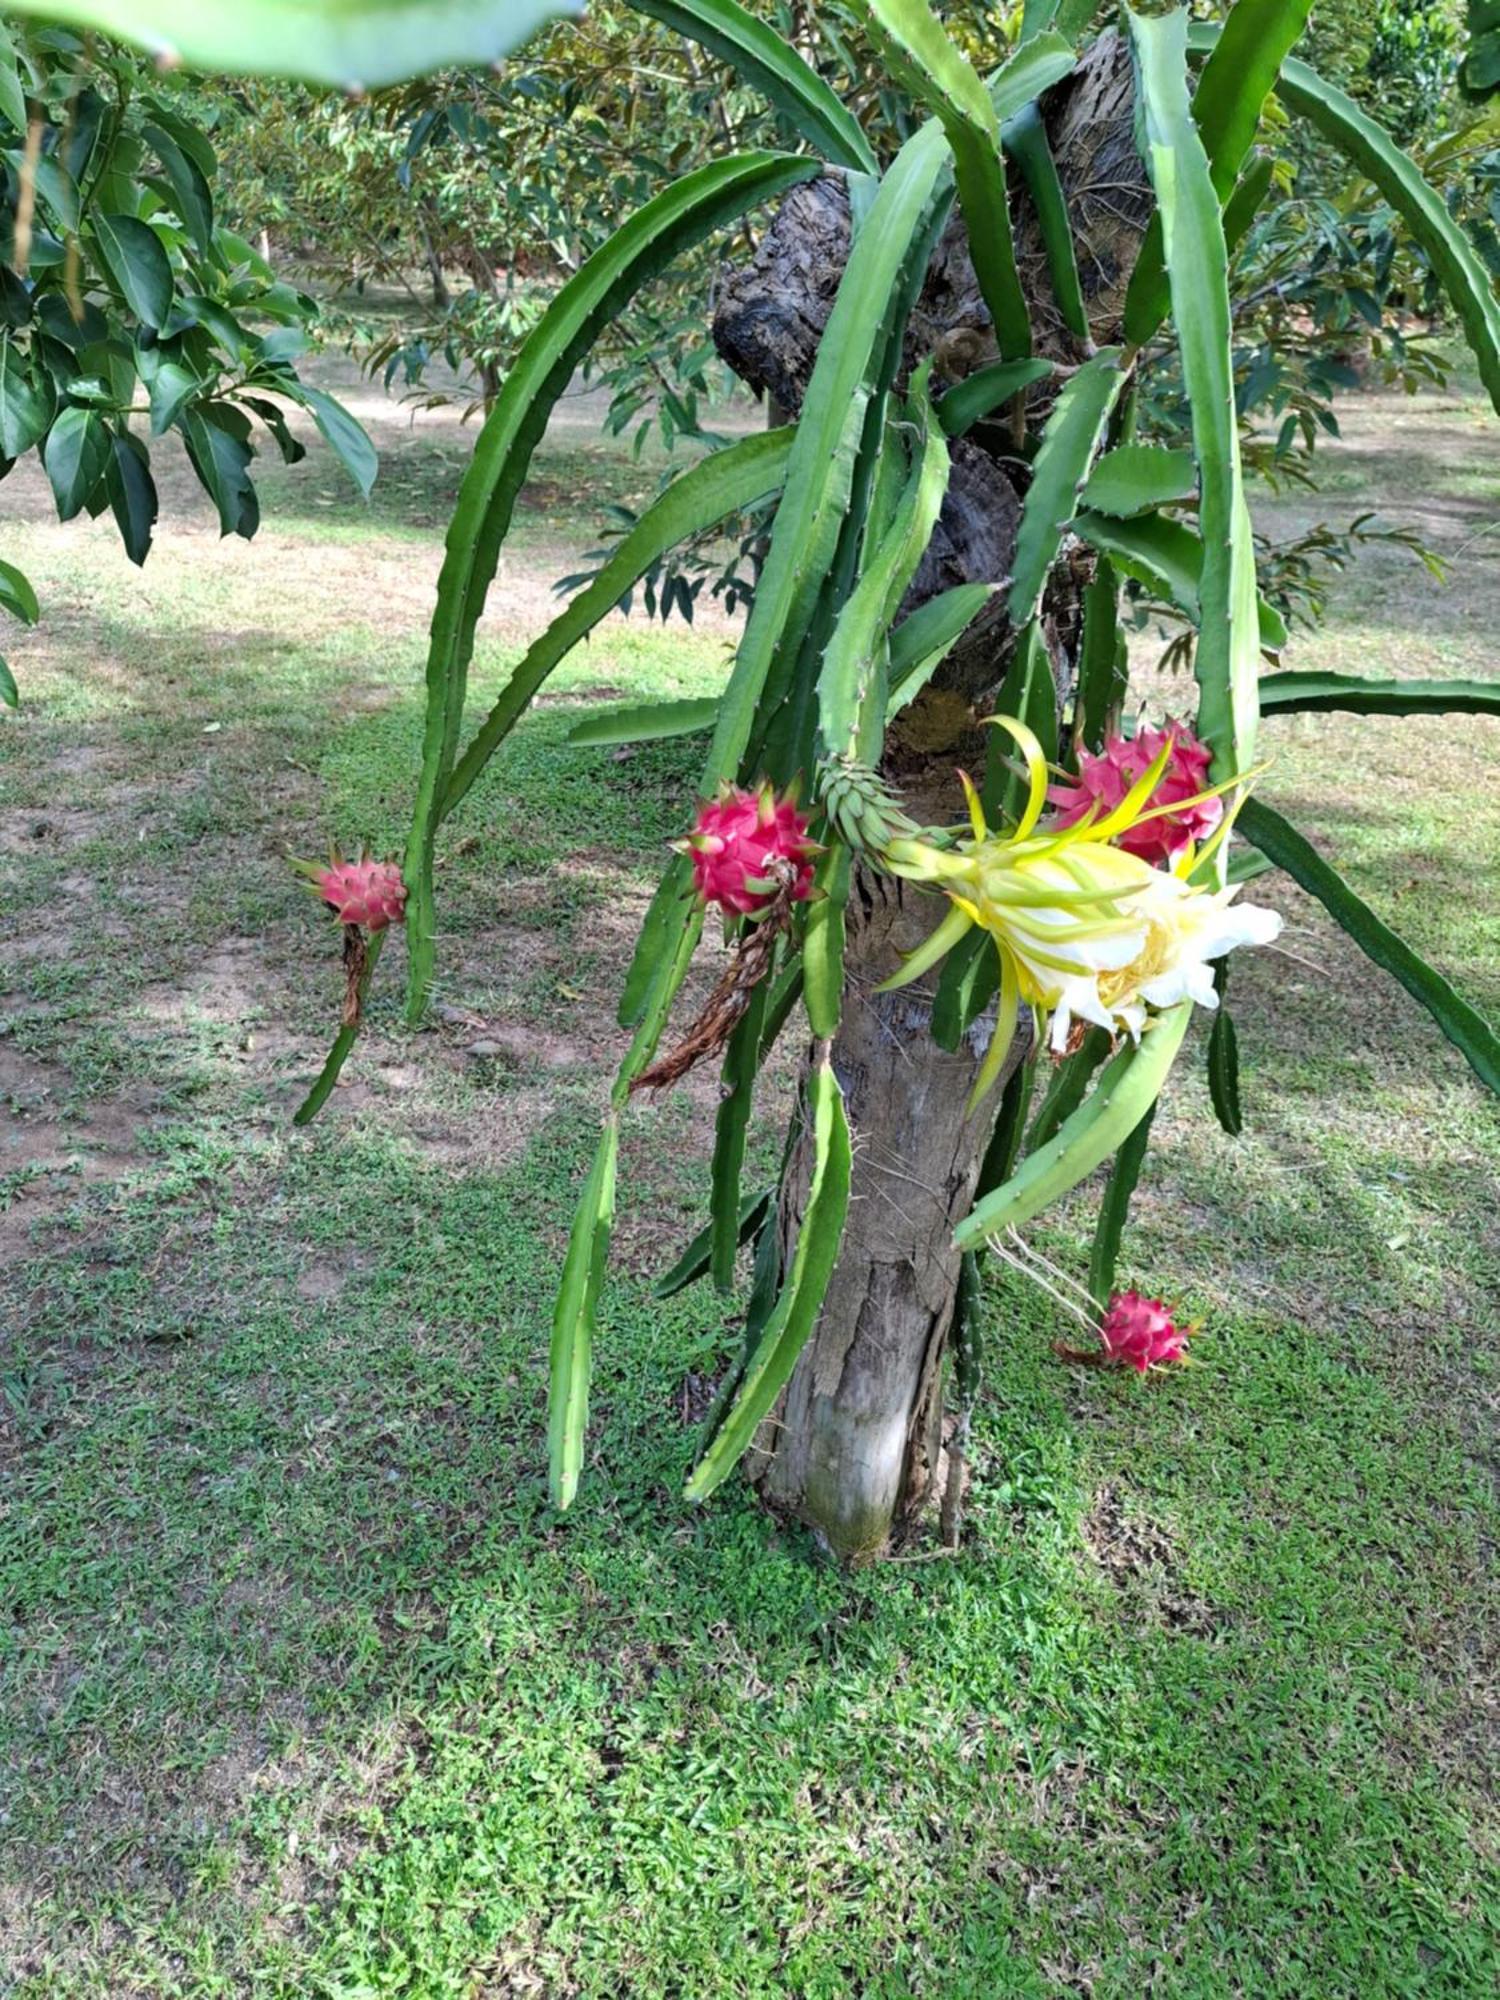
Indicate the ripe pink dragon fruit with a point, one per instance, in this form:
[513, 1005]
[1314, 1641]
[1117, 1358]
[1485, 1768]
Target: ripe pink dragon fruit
[1104, 779]
[365, 892]
[746, 847]
[1140, 1333]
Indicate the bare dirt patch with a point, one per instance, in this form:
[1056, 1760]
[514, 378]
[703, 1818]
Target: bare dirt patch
[49, 1152]
[1141, 1560]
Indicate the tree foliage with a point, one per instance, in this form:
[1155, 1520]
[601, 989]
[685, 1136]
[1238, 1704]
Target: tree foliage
[127, 310]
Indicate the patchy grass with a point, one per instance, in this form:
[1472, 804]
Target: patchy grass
[306, 1689]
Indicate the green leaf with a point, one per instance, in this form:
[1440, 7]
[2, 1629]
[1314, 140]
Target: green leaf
[132, 495]
[189, 138]
[1281, 843]
[986, 390]
[190, 189]
[1004, 1147]
[682, 215]
[75, 455]
[57, 192]
[1227, 107]
[679, 935]
[796, 1311]
[25, 406]
[17, 596]
[857, 343]
[575, 1316]
[1167, 558]
[823, 943]
[646, 722]
[12, 94]
[1069, 1085]
[1480, 75]
[1127, 1089]
[1114, 1210]
[138, 265]
[1243, 205]
[1459, 268]
[1103, 661]
[1226, 660]
[1352, 694]
[1224, 1063]
[221, 460]
[10, 694]
[723, 483]
[172, 387]
[941, 77]
[349, 439]
[848, 678]
[1136, 478]
[1025, 140]
[1029, 693]
[694, 1262]
[1072, 435]
[351, 44]
[1046, 59]
[966, 985]
[922, 641]
[731, 1135]
[768, 63]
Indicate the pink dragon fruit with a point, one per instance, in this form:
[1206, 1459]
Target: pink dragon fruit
[1104, 779]
[364, 892]
[746, 847]
[1140, 1333]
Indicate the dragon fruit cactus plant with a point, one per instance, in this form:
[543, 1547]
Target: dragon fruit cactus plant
[1054, 948]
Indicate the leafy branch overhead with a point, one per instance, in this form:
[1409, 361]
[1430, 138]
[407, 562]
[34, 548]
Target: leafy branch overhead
[127, 311]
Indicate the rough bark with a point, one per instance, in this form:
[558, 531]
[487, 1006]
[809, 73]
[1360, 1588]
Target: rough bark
[772, 310]
[852, 1448]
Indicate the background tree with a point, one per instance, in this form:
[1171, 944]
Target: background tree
[123, 296]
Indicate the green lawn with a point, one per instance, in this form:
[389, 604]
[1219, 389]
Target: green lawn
[306, 1690]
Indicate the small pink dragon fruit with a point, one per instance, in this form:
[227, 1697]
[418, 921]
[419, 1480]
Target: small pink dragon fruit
[747, 847]
[1104, 779]
[1140, 1333]
[365, 892]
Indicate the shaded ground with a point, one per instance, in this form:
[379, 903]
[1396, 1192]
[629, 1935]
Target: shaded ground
[308, 1691]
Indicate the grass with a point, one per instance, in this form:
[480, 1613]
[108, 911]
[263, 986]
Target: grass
[307, 1692]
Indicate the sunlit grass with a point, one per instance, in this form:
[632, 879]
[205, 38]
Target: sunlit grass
[307, 1690]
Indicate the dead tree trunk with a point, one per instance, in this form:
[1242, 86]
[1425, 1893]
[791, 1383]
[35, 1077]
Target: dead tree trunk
[852, 1447]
